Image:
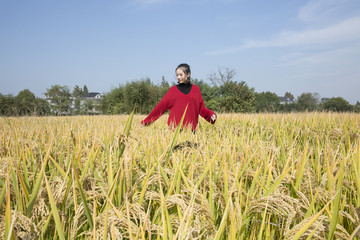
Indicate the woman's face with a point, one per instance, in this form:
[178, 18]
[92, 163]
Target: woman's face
[181, 76]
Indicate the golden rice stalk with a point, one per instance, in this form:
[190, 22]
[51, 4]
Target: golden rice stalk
[300, 168]
[58, 225]
[336, 206]
[36, 188]
[175, 136]
[126, 132]
[8, 218]
[84, 201]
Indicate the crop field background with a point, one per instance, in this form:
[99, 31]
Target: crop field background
[249, 176]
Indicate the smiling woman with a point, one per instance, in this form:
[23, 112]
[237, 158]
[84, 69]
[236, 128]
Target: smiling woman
[184, 96]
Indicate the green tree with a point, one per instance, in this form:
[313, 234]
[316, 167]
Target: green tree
[337, 104]
[288, 107]
[232, 96]
[289, 95]
[308, 102]
[237, 97]
[267, 102]
[88, 106]
[42, 107]
[142, 94]
[77, 94]
[85, 90]
[114, 101]
[7, 105]
[25, 102]
[357, 107]
[164, 86]
[60, 99]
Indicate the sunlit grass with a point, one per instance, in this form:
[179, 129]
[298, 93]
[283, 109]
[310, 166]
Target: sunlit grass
[249, 176]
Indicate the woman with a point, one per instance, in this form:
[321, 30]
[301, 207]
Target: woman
[184, 94]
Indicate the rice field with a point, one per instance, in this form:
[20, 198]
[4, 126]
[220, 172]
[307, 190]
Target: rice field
[249, 176]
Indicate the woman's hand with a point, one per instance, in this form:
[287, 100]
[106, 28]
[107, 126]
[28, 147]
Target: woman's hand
[213, 118]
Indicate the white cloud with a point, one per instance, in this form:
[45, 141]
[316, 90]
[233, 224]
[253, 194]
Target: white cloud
[340, 33]
[347, 56]
[324, 10]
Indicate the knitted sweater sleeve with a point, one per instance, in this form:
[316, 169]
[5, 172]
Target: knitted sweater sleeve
[205, 112]
[158, 111]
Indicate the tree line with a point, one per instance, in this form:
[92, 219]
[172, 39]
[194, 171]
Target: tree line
[223, 95]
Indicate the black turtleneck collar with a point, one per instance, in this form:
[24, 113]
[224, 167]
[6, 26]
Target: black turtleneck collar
[185, 88]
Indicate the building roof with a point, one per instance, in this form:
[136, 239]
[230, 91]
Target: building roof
[93, 95]
[286, 100]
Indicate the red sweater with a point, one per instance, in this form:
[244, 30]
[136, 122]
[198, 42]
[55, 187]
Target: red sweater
[176, 101]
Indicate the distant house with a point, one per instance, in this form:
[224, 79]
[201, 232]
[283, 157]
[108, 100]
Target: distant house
[91, 102]
[286, 100]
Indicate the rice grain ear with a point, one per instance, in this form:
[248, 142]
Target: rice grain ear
[354, 232]
[263, 220]
[312, 220]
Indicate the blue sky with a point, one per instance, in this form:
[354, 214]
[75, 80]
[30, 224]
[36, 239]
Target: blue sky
[282, 46]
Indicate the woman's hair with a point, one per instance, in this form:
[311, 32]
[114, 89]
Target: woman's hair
[185, 67]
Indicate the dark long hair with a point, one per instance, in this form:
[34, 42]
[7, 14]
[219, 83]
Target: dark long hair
[185, 66]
